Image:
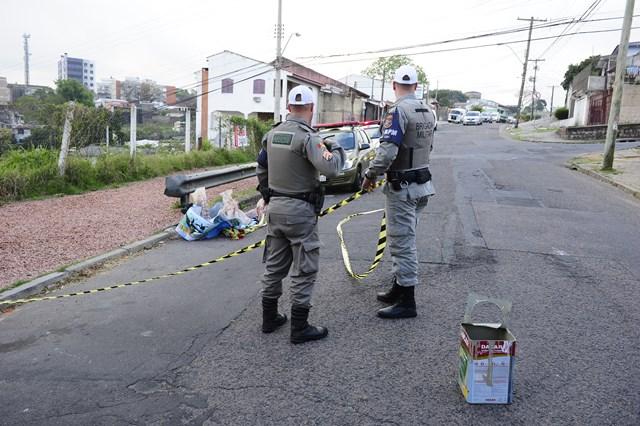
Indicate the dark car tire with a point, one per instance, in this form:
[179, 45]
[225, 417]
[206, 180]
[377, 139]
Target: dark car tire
[357, 180]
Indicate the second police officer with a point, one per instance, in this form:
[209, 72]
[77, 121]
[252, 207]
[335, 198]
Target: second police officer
[403, 154]
[289, 164]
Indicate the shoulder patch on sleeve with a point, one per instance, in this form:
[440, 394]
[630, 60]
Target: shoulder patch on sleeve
[388, 121]
[391, 129]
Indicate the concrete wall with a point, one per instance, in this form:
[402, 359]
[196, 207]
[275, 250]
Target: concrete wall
[599, 132]
[630, 109]
[334, 107]
[581, 111]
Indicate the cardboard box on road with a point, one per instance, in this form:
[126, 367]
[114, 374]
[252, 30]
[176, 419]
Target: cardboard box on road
[487, 356]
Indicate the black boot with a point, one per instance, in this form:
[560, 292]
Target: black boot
[301, 330]
[390, 296]
[271, 319]
[405, 307]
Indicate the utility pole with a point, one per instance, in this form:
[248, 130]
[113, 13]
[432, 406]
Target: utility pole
[26, 57]
[553, 88]
[277, 65]
[533, 92]
[618, 83]
[384, 77]
[524, 67]
[132, 131]
[107, 138]
[66, 138]
[187, 130]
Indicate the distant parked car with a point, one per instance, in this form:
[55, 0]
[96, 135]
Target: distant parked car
[456, 115]
[357, 146]
[372, 129]
[472, 118]
[486, 117]
[511, 120]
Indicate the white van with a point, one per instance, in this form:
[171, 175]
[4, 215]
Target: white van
[456, 115]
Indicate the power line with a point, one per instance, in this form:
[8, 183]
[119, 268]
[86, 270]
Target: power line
[453, 49]
[573, 24]
[549, 24]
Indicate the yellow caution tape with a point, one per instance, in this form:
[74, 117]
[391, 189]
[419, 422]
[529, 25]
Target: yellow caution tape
[243, 250]
[382, 243]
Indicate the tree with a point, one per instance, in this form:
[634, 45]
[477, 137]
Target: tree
[574, 69]
[150, 92]
[36, 108]
[447, 98]
[477, 108]
[182, 94]
[73, 90]
[6, 139]
[383, 68]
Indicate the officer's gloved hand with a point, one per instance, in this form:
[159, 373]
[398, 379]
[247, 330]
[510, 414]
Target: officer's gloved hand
[369, 182]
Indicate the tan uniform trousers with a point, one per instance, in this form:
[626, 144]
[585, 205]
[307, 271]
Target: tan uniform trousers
[292, 245]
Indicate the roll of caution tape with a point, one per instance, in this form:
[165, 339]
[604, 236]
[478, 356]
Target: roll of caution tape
[239, 252]
[382, 243]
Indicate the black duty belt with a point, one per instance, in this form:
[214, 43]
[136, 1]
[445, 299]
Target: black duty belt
[399, 180]
[304, 196]
[314, 198]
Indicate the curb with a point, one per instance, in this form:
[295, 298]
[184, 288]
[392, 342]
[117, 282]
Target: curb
[506, 135]
[48, 281]
[603, 178]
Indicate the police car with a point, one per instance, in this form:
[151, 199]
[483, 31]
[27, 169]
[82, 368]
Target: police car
[352, 137]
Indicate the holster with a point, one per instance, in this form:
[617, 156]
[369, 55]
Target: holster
[265, 192]
[400, 180]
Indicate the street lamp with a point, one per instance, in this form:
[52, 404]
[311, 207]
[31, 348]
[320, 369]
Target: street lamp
[288, 40]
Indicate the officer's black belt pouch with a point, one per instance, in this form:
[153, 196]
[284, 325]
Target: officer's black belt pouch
[265, 192]
[315, 198]
[399, 180]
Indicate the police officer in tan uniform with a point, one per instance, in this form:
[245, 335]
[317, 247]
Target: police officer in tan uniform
[289, 164]
[403, 154]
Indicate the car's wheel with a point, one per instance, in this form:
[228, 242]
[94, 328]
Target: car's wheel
[357, 180]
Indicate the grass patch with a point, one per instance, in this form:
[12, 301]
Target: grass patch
[516, 134]
[34, 173]
[586, 160]
[610, 171]
[15, 284]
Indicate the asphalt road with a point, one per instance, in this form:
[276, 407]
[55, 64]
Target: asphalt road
[509, 221]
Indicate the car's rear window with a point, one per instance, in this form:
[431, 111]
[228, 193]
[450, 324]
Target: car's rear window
[373, 132]
[473, 113]
[345, 139]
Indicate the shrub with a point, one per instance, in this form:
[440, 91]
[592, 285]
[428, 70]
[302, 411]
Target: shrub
[561, 113]
[6, 139]
[34, 172]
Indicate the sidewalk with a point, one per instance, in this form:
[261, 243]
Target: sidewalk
[626, 169]
[541, 131]
[44, 235]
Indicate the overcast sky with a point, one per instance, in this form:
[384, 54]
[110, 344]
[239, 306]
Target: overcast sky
[168, 40]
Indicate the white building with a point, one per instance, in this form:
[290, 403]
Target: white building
[5, 93]
[82, 70]
[235, 85]
[107, 88]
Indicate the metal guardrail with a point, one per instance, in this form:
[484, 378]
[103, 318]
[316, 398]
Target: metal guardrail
[181, 186]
